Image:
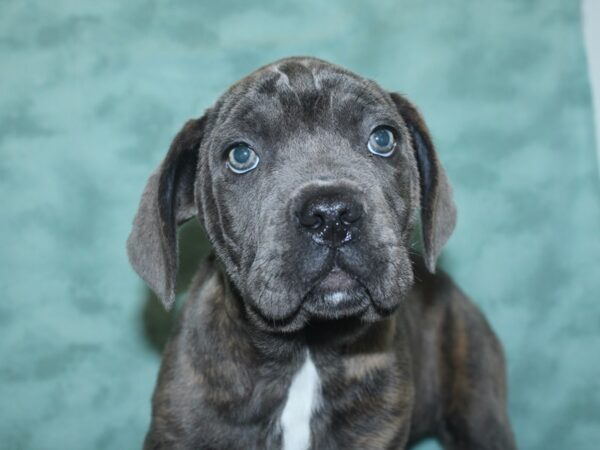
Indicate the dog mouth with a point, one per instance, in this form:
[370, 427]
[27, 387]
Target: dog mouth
[336, 295]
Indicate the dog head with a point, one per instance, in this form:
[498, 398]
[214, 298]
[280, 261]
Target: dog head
[307, 180]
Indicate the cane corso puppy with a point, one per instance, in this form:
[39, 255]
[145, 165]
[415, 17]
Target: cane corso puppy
[314, 325]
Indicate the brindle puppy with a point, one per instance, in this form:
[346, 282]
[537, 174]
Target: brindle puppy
[312, 326]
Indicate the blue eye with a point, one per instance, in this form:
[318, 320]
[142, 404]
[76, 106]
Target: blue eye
[242, 159]
[381, 142]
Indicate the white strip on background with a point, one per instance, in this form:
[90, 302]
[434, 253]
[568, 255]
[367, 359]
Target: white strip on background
[590, 10]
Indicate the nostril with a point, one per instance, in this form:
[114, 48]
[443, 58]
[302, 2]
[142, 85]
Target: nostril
[313, 221]
[346, 217]
[342, 215]
[350, 215]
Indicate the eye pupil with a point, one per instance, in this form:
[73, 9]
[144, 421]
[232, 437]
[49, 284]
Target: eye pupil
[382, 142]
[382, 138]
[241, 154]
[241, 158]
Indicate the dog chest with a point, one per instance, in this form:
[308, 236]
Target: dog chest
[303, 399]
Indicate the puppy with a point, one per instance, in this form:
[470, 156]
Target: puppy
[314, 326]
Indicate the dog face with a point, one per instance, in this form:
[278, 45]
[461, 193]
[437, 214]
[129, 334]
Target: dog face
[307, 179]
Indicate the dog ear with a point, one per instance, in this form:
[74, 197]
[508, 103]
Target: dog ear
[438, 212]
[167, 202]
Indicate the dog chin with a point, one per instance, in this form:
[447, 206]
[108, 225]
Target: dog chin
[338, 296]
[340, 307]
[337, 304]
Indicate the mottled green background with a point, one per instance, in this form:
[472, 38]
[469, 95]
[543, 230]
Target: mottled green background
[92, 92]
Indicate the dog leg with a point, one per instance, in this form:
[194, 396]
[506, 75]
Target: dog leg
[459, 369]
[474, 414]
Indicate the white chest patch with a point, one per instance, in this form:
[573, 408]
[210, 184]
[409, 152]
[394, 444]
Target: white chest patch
[303, 398]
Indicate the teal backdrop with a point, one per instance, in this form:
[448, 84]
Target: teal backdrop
[91, 94]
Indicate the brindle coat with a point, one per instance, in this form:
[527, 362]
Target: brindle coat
[417, 360]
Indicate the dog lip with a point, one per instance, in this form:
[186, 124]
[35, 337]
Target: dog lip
[283, 322]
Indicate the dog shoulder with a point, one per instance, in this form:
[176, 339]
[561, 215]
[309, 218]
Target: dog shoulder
[455, 351]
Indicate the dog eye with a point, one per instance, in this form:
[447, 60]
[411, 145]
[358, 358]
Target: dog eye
[381, 142]
[242, 159]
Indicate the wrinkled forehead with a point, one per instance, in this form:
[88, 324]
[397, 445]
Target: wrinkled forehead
[301, 94]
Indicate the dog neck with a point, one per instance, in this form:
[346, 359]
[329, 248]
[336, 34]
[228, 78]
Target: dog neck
[252, 376]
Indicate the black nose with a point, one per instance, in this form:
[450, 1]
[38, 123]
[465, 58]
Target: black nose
[330, 219]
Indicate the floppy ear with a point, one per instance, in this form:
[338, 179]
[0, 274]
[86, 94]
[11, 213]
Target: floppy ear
[167, 202]
[438, 213]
